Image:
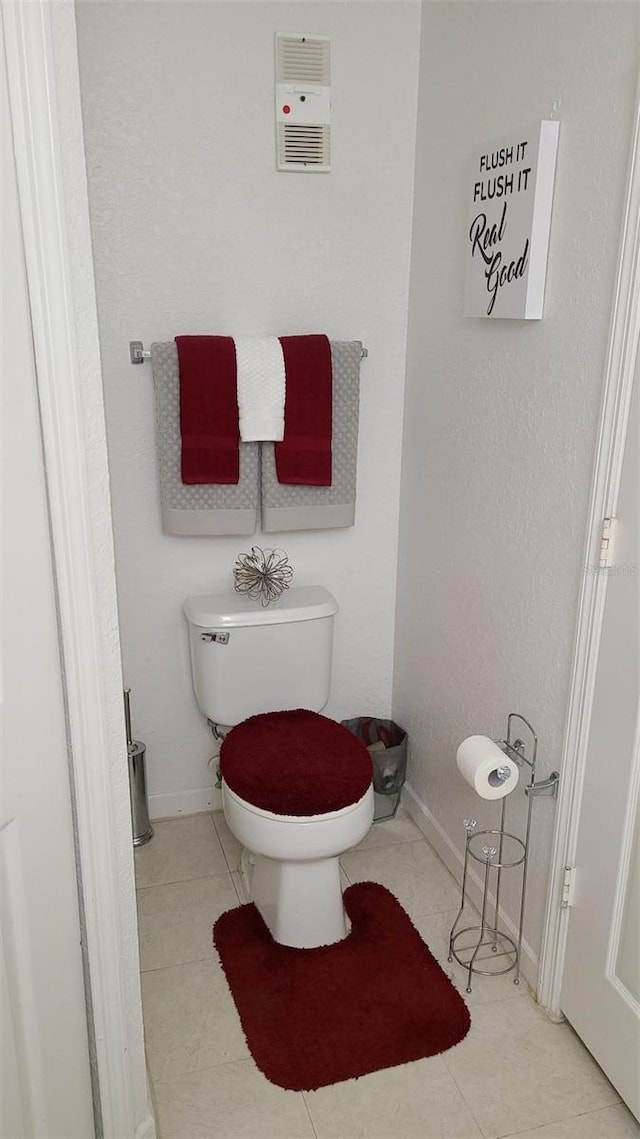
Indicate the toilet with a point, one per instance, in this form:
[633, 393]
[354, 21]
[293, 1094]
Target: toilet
[296, 786]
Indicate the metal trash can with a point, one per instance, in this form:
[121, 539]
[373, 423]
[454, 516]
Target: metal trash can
[387, 744]
[136, 751]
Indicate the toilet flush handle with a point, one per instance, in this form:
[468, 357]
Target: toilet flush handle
[219, 638]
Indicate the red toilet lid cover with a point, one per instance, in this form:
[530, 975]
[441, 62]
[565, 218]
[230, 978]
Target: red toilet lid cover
[295, 763]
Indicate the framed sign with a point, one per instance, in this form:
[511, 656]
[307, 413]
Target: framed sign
[507, 237]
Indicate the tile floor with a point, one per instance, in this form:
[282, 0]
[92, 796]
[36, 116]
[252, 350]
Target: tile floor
[516, 1073]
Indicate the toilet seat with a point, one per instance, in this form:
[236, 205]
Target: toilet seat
[295, 763]
[299, 838]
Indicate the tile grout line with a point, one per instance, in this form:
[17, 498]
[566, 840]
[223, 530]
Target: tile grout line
[345, 873]
[152, 1096]
[206, 1068]
[368, 848]
[242, 901]
[527, 1127]
[181, 881]
[313, 1126]
[463, 1097]
[376, 847]
[219, 840]
[178, 964]
[563, 1119]
[232, 870]
[158, 819]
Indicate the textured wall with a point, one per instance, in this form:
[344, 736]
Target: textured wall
[194, 231]
[501, 417]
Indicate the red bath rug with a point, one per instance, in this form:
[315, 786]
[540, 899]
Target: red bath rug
[314, 1017]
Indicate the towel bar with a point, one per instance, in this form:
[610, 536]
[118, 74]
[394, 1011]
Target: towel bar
[138, 353]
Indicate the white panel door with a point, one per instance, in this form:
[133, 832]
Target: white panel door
[601, 981]
[45, 1082]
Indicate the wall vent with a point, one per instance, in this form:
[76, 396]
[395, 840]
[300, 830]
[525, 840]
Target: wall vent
[303, 59]
[303, 103]
[308, 147]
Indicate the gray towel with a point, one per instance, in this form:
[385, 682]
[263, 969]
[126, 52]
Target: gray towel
[322, 507]
[204, 508]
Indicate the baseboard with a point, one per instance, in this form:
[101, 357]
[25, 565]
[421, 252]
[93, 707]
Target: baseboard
[193, 802]
[453, 859]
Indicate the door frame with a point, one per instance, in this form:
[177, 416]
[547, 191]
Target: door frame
[44, 96]
[624, 338]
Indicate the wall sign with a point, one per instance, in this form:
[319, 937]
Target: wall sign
[507, 235]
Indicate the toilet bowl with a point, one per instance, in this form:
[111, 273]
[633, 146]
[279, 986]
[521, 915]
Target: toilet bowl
[275, 767]
[296, 787]
[293, 876]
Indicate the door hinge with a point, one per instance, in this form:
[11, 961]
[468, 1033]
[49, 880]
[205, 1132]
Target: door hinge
[568, 886]
[606, 542]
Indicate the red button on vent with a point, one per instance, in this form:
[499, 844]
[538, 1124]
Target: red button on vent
[286, 110]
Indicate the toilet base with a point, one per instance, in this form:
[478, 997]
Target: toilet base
[300, 902]
[293, 874]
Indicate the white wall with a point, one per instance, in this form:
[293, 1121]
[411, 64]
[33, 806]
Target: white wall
[501, 416]
[194, 231]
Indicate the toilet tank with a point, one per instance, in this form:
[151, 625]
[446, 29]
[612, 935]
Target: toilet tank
[246, 659]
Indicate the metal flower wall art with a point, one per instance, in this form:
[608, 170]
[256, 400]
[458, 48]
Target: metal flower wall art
[263, 574]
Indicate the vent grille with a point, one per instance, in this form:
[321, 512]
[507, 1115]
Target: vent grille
[303, 59]
[303, 102]
[304, 146]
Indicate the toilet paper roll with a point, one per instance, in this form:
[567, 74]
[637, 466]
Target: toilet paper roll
[486, 768]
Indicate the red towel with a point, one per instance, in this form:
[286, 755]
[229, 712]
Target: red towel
[304, 455]
[208, 409]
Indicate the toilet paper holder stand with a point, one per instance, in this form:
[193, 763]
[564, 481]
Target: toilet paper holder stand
[498, 849]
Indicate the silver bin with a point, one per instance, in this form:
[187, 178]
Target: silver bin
[142, 829]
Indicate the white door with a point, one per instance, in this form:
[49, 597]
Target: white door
[601, 982]
[45, 1082]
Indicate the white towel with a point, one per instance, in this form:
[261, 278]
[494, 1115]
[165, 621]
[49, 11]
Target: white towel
[261, 388]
